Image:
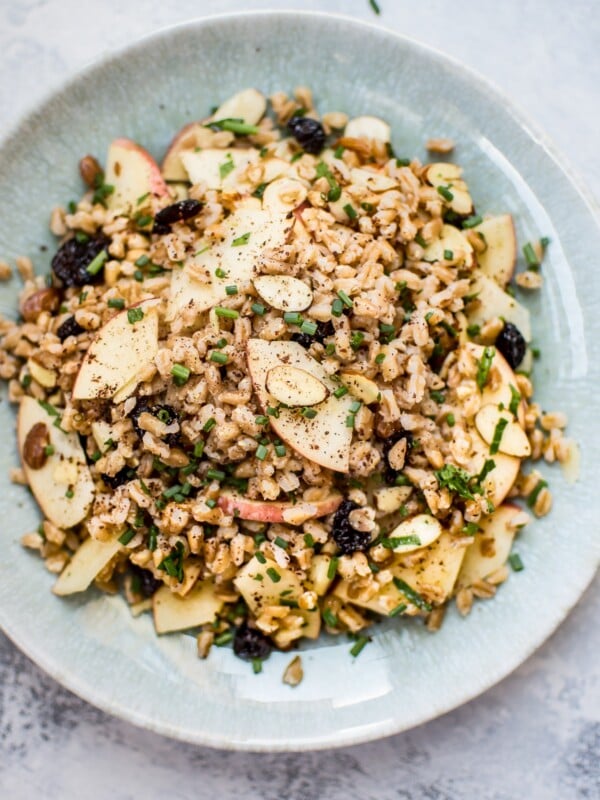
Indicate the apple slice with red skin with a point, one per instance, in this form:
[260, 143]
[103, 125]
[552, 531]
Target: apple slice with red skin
[134, 174]
[272, 510]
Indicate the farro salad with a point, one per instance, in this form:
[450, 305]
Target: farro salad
[280, 383]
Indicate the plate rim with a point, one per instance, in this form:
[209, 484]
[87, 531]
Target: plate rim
[72, 681]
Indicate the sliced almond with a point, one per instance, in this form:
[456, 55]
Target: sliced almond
[295, 387]
[390, 498]
[513, 442]
[452, 240]
[368, 128]
[414, 533]
[449, 176]
[284, 194]
[284, 292]
[45, 377]
[361, 387]
[374, 181]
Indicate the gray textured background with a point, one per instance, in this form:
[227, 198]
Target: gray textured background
[537, 735]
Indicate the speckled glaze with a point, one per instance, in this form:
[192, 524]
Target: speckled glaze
[406, 676]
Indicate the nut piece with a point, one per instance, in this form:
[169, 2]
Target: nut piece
[90, 171]
[295, 387]
[34, 448]
[441, 145]
[43, 300]
[293, 672]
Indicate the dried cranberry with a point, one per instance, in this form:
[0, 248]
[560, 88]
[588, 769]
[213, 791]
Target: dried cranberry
[147, 582]
[324, 329]
[249, 644]
[73, 257]
[177, 212]
[511, 344]
[390, 474]
[308, 133]
[70, 327]
[164, 413]
[123, 476]
[347, 538]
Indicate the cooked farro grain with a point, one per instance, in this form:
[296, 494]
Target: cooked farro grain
[256, 388]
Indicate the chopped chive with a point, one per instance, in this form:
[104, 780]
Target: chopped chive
[412, 595]
[531, 500]
[281, 543]
[224, 638]
[484, 365]
[292, 318]
[257, 665]
[152, 537]
[368, 207]
[138, 275]
[345, 299]
[515, 562]
[180, 373]
[70, 494]
[544, 241]
[439, 397]
[142, 261]
[309, 540]
[471, 222]
[340, 391]
[350, 420]
[220, 273]
[82, 297]
[445, 192]
[530, 256]
[273, 574]
[96, 456]
[198, 449]
[226, 167]
[273, 412]
[134, 315]
[497, 438]
[473, 330]
[261, 452]
[403, 162]
[339, 151]
[448, 255]
[355, 406]
[26, 381]
[356, 339]
[215, 475]
[350, 211]
[82, 237]
[451, 420]
[142, 220]
[309, 413]
[420, 240]
[126, 537]
[260, 190]
[337, 307]
[231, 290]
[309, 327]
[211, 502]
[49, 450]
[360, 643]
[258, 308]
[94, 267]
[332, 568]
[116, 302]
[400, 541]
[234, 126]
[515, 399]
[209, 424]
[241, 240]
[398, 610]
[330, 349]
[296, 156]
[280, 450]
[219, 358]
[261, 419]
[260, 557]
[380, 358]
[470, 529]
[329, 617]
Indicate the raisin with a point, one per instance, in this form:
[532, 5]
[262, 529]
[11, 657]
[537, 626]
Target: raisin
[324, 329]
[511, 344]
[164, 413]
[177, 212]
[390, 474]
[147, 582]
[123, 476]
[70, 327]
[308, 133]
[249, 644]
[73, 257]
[347, 538]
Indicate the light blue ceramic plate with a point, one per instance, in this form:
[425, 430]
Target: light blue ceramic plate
[406, 676]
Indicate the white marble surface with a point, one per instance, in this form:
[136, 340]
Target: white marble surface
[536, 735]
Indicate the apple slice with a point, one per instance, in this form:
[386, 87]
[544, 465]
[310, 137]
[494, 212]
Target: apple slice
[60, 481]
[499, 258]
[121, 349]
[284, 292]
[412, 534]
[134, 174]
[368, 128]
[90, 559]
[191, 137]
[490, 547]
[434, 576]
[372, 180]
[295, 387]
[498, 391]
[249, 105]
[318, 574]
[513, 439]
[448, 176]
[219, 169]
[271, 510]
[390, 498]
[248, 231]
[175, 613]
[361, 387]
[498, 483]
[492, 301]
[452, 240]
[324, 438]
